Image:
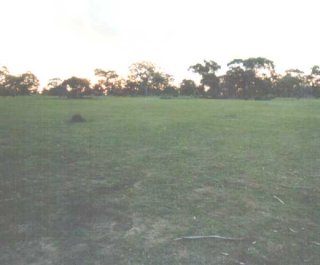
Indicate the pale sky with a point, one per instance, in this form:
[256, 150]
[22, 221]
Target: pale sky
[61, 38]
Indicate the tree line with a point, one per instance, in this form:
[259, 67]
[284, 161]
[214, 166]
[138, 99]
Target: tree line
[245, 79]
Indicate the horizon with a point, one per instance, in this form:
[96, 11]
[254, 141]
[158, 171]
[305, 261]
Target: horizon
[72, 38]
[92, 78]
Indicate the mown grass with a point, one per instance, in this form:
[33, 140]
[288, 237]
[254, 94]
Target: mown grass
[140, 172]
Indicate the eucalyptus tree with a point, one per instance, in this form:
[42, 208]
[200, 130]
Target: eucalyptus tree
[77, 87]
[234, 81]
[292, 84]
[29, 84]
[146, 79]
[24, 84]
[140, 77]
[4, 72]
[107, 82]
[315, 80]
[188, 88]
[54, 88]
[209, 79]
[250, 77]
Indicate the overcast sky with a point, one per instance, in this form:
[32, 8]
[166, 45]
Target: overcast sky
[61, 38]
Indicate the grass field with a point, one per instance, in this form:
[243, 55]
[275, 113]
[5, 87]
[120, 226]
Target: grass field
[141, 172]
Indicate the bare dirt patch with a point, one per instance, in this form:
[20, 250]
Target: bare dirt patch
[154, 232]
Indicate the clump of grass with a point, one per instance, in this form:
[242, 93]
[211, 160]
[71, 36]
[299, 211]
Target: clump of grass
[77, 118]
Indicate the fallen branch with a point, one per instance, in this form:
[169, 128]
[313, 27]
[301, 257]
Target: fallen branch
[315, 243]
[299, 187]
[292, 230]
[278, 199]
[211, 236]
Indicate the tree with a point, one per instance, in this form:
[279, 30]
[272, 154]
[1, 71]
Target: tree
[261, 66]
[252, 77]
[4, 72]
[107, 83]
[315, 80]
[55, 88]
[140, 77]
[292, 84]
[24, 84]
[76, 87]
[234, 82]
[161, 82]
[170, 91]
[209, 80]
[315, 70]
[146, 79]
[29, 84]
[188, 88]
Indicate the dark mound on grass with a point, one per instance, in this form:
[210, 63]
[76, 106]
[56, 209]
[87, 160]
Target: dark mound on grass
[77, 118]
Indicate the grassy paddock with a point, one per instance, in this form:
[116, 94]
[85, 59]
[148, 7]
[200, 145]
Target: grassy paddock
[140, 172]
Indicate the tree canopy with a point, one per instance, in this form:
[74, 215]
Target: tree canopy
[254, 77]
[12, 85]
[209, 79]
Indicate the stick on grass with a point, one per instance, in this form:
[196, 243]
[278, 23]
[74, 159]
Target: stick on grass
[210, 236]
[278, 199]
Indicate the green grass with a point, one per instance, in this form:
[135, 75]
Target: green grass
[140, 172]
